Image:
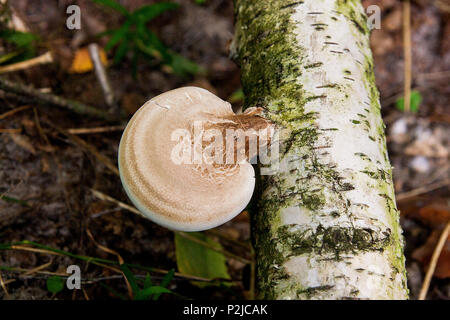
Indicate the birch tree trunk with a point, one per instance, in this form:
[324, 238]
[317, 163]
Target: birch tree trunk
[327, 228]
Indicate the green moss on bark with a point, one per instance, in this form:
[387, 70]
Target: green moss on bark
[336, 240]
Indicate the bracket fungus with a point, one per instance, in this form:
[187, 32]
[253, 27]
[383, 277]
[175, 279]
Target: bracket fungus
[179, 164]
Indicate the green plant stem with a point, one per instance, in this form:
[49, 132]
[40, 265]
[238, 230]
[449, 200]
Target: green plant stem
[97, 261]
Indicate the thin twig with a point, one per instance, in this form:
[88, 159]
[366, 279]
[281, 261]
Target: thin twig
[62, 253]
[46, 98]
[46, 274]
[38, 268]
[88, 147]
[38, 250]
[15, 22]
[4, 286]
[102, 77]
[433, 262]
[13, 111]
[103, 196]
[222, 236]
[95, 130]
[103, 212]
[407, 52]
[25, 245]
[439, 75]
[209, 246]
[22, 270]
[18, 130]
[119, 258]
[103, 248]
[425, 189]
[39, 128]
[84, 294]
[42, 59]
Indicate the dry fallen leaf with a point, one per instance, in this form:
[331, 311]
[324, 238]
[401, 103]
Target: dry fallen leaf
[82, 62]
[243, 217]
[424, 253]
[23, 141]
[436, 213]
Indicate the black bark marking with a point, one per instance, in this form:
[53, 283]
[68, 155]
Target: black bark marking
[292, 5]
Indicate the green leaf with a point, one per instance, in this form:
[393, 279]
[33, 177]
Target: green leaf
[23, 42]
[134, 61]
[105, 33]
[150, 44]
[55, 284]
[147, 281]
[150, 51]
[183, 66]
[130, 277]
[147, 13]
[133, 35]
[197, 260]
[167, 278]
[114, 292]
[14, 200]
[145, 294]
[200, 1]
[165, 282]
[114, 5]
[416, 100]
[118, 35]
[6, 57]
[153, 47]
[143, 34]
[20, 39]
[121, 51]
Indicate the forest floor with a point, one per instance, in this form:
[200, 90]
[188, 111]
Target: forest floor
[48, 169]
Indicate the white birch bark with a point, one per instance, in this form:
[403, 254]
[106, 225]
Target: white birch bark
[328, 227]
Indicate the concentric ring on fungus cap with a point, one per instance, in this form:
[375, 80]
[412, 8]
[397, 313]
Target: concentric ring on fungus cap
[187, 197]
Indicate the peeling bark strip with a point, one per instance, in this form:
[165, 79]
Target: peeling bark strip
[327, 228]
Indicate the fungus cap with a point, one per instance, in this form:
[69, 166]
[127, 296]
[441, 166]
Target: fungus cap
[180, 196]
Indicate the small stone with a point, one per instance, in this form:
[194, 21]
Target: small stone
[420, 164]
[399, 131]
